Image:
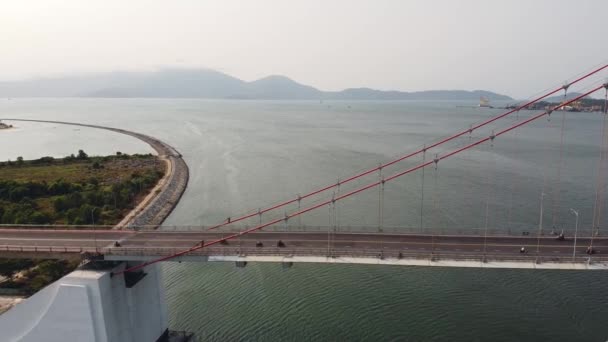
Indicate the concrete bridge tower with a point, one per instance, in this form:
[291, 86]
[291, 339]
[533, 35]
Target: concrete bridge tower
[90, 304]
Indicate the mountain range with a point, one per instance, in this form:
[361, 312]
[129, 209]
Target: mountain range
[211, 84]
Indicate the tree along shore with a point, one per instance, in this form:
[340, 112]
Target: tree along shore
[75, 190]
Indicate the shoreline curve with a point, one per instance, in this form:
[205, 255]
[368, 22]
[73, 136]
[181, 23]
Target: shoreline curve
[163, 198]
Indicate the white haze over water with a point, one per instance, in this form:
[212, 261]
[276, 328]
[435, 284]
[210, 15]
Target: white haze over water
[512, 47]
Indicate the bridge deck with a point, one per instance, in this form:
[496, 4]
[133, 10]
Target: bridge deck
[135, 245]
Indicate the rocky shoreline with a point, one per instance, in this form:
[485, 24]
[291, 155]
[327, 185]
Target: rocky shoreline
[163, 202]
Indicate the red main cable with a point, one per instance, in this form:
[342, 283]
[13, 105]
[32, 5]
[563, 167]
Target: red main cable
[354, 192]
[402, 158]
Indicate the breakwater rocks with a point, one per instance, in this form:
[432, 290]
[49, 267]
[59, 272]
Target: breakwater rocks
[163, 202]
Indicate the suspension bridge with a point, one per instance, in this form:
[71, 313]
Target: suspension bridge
[279, 235]
[314, 244]
[116, 295]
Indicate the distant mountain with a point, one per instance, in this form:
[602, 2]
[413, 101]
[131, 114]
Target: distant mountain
[205, 83]
[281, 87]
[372, 94]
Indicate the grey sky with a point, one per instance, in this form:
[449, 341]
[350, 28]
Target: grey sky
[513, 47]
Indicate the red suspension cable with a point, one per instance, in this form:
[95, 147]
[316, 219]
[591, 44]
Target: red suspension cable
[402, 158]
[356, 191]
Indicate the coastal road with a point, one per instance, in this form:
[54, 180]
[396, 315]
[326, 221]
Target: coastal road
[162, 200]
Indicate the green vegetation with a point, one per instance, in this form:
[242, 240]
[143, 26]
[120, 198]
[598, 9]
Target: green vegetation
[76, 190]
[583, 105]
[8, 267]
[30, 276]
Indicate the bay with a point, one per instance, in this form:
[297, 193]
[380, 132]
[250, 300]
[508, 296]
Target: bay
[244, 155]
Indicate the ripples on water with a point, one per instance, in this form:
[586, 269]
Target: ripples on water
[350, 303]
[245, 154]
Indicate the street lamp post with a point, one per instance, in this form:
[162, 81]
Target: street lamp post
[540, 223]
[575, 233]
[94, 232]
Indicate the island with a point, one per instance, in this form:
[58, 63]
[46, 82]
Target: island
[585, 104]
[5, 126]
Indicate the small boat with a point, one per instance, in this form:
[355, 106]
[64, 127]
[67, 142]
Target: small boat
[484, 103]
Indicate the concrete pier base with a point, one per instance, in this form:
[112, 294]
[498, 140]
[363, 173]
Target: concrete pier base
[91, 305]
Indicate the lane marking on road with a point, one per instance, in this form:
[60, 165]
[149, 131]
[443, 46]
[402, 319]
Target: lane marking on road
[70, 231]
[50, 239]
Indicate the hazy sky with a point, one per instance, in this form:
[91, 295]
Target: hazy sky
[513, 47]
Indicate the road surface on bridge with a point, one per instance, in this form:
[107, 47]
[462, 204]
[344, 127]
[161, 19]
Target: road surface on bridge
[294, 242]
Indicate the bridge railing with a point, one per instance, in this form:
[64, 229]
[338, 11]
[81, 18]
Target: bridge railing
[331, 252]
[54, 227]
[49, 249]
[532, 231]
[350, 253]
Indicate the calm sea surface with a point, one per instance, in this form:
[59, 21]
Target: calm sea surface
[248, 154]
